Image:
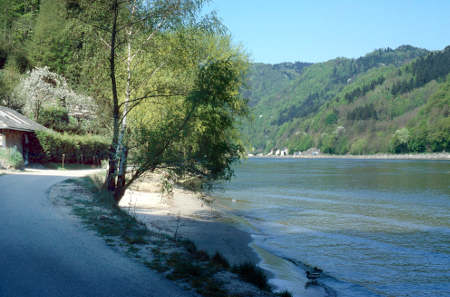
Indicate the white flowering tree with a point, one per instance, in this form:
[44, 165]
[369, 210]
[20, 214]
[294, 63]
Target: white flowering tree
[41, 89]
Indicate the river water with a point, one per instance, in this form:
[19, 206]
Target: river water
[375, 227]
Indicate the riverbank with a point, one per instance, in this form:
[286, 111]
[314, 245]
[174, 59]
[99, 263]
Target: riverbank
[212, 228]
[158, 239]
[190, 215]
[423, 156]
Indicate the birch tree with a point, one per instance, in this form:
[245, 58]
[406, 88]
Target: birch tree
[158, 60]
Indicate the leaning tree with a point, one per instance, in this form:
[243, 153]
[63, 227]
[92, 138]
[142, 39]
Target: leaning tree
[174, 81]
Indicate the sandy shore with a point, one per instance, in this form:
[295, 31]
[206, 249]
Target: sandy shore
[189, 215]
[197, 218]
[425, 156]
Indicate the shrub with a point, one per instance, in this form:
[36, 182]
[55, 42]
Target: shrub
[220, 260]
[331, 119]
[359, 147]
[328, 143]
[11, 158]
[75, 148]
[284, 293]
[399, 142]
[301, 143]
[55, 118]
[252, 274]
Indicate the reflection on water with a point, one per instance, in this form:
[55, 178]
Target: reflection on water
[376, 227]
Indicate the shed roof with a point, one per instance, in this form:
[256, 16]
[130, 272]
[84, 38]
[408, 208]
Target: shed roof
[11, 119]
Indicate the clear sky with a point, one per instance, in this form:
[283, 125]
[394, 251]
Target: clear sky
[319, 30]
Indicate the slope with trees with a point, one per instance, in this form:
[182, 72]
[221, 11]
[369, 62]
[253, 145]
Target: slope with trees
[353, 106]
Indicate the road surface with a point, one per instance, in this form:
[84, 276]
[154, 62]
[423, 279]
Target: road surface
[44, 252]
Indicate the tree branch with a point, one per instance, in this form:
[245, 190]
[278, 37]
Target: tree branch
[135, 102]
[152, 164]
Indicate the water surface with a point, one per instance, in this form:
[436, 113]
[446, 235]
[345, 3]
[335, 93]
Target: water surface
[376, 227]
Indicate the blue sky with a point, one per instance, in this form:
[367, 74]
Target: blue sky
[320, 30]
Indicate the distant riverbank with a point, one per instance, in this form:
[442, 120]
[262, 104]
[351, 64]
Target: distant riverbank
[425, 156]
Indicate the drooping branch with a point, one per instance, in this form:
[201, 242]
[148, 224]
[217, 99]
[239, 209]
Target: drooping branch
[153, 163]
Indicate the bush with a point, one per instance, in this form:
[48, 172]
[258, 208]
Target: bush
[284, 293]
[11, 158]
[331, 119]
[300, 143]
[327, 143]
[55, 118]
[220, 260]
[359, 147]
[399, 142]
[75, 148]
[252, 274]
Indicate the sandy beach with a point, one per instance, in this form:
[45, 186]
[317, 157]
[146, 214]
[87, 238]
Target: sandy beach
[187, 215]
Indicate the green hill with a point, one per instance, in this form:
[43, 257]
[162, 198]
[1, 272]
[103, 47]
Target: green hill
[386, 101]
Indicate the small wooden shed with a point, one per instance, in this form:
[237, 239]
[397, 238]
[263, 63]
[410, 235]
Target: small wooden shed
[16, 130]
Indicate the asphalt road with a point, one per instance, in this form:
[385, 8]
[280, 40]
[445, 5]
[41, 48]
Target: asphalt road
[44, 252]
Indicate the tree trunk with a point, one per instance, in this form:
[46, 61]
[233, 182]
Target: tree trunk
[110, 182]
[123, 146]
[121, 178]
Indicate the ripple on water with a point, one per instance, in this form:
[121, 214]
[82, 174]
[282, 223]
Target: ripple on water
[379, 227]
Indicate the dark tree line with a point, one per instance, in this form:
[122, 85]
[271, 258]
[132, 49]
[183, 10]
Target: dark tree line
[310, 105]
[365, 112]
[434, 66]
[349, 68]
[361, 91]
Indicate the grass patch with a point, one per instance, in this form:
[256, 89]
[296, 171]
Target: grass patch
[284, 293]
[252, 274]
[100, 214]
[183, 267]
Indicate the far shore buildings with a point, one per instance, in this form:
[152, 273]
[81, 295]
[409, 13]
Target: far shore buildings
[16, 130]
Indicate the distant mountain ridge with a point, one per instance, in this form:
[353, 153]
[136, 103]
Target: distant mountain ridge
[350, 105]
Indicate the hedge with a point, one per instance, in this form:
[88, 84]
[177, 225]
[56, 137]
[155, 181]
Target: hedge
[86, 149]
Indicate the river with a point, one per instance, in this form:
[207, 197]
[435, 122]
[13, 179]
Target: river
[375, 227]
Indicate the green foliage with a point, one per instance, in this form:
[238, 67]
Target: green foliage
[434, 66]
[362, 113]
[331, 118]
[355, 94]
[359, 147]
[75, 148]
[418, 140]
[430, 129]
[195, 135]
[399, 142]
[60, 42]
[361, 91]
[439, 138]
[11, 157]
[300, 143]
[55, 118]
[302, 101]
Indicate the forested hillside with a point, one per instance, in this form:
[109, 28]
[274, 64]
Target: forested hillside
[390, 100]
